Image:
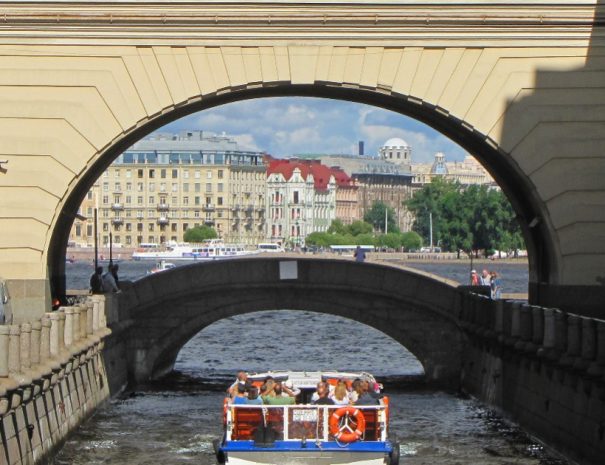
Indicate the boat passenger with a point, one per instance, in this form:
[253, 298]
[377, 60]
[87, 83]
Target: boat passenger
[363, 396]
[242, 378]
[286, 388]
[253, 397]
[278, 400]
[341, 394]
[315, 395]
[323, 393]
[240, 397]
[268, 388]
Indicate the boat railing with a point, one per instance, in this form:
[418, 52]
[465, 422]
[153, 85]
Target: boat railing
[295, 422]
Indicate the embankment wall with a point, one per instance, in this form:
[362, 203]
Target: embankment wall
[52, 377]
[544, 367]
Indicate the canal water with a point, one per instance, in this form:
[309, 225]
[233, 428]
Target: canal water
[175, 420]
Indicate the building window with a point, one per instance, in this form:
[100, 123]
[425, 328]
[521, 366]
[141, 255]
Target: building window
[151, 173]
[150, 227]
[197, 174]
[175, 187]
[105, 199]
[105, 187]
[198, 187]
[185, 200]
[208, 187]
[175, 174]
[128, 240]
[128, 174]
[163, 173]
[186, 187]
[140, 174]
[220, 187]
[89, 195]
[196, 200]
[209, 175]
[219, 201]
[220, 174]
[151, 200]
[186, 174]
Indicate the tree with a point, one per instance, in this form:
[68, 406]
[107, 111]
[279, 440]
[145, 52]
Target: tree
[200, 234]
[469, 218]
[337, 227]
[359, 227]
[390, 240]
[411, 240]
[376, 215]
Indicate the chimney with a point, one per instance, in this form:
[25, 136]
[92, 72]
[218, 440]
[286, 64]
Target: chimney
[360, 148]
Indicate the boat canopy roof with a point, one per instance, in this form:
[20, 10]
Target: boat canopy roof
[309, 379]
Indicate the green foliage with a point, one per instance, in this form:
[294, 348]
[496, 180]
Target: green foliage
[359, 227]
[469, 219]
[390, 240]
[376, 216]
[337, 227]
[365, 239]
[199, 234]
[411, 240]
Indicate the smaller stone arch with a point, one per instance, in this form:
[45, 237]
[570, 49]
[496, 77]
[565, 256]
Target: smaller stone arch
[166, 310]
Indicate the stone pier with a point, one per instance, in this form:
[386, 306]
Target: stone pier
[52, 376]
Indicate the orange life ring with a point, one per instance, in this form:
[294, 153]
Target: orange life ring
[345, 432]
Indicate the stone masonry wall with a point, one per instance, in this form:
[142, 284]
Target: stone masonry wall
[52, 376]
[543, 366]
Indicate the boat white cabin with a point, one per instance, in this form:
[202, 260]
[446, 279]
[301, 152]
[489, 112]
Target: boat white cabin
[212, 249]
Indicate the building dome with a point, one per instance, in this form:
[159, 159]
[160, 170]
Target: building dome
[395, 142]
[396, 150]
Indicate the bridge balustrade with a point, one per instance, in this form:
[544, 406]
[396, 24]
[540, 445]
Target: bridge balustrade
[45, 349]
[570, 341]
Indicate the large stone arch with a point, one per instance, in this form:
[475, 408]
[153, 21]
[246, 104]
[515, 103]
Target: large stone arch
[160, 313]
[70, 106]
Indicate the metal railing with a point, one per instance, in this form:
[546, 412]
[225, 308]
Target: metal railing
[295, 422]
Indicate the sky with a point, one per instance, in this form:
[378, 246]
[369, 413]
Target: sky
[286, 126]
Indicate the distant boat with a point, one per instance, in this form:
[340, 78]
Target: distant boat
[162, 266]
[213, 249]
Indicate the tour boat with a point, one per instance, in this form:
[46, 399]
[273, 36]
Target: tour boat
[213, 249]
[306, 433]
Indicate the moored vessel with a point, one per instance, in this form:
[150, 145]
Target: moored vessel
[213, 249]
[301, 431]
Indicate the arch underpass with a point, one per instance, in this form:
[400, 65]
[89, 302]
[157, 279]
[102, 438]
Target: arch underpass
[161, 312]
[516, 84]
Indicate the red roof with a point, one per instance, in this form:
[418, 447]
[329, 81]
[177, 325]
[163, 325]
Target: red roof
[321, 173]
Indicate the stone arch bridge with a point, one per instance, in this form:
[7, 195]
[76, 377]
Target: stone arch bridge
[157, 315]
[516, 83]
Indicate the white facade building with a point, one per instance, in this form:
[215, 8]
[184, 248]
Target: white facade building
[301, 199]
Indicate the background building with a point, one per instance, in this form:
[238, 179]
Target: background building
[466, 172]
[301, 199]
[167, 183]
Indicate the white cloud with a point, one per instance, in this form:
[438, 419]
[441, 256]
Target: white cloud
[287, 126]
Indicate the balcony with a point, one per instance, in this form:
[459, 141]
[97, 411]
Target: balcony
[117, 206]
[209, 207]
[117, 221]
[209, 222]
[163, 207]
[163, 220]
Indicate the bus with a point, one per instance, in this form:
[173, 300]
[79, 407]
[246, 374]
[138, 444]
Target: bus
[340, 249]
[269, 247]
